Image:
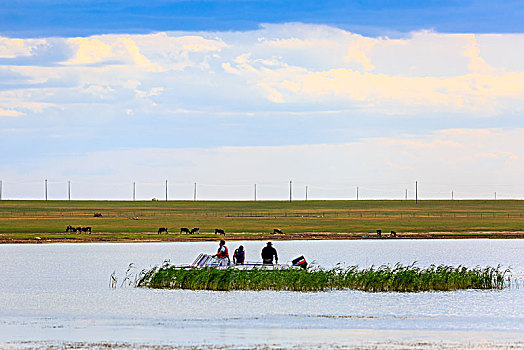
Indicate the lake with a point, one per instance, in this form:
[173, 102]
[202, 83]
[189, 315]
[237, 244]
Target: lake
[58, 295]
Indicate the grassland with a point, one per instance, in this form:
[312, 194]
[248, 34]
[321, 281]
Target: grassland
[372, 279]
[129, 220]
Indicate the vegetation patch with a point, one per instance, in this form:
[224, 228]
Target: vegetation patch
[399, 278]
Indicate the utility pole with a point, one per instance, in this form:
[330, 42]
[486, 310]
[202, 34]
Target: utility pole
[134, 190]
[290, 190]
[0, 190]
[306, 193]
[495, 195]
[194, 192]
[357, 193]
[166, 190]
[255, 192]
[46, 189]
[406, 197]
[416, 192]
[69, 190]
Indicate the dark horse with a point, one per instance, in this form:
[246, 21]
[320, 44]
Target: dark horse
[70, 228]
[86, 229]
[184, 230]
[220, 231]
[277, 230]
[162, 230]
[195, 230]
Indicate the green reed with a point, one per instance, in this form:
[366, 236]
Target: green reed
[399, 278]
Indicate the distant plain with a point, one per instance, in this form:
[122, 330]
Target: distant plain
[139, 220]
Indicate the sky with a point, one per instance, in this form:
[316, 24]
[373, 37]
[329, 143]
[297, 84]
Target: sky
[329, 96]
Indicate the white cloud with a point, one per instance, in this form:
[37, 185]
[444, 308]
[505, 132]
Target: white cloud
[9, 113]
[424, 72]
[117, 50]
[14, 47]
[358, 49]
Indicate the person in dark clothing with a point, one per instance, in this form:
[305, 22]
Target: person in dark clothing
[267, 254]
[239, 256]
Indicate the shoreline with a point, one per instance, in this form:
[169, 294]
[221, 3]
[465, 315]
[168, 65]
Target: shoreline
[152, 237]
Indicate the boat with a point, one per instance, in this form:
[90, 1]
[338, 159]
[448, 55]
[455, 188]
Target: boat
[209, 261]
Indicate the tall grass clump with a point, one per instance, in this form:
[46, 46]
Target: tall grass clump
[399, 278]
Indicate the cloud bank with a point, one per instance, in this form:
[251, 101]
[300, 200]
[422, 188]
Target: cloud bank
[302, 99]
[292, 65]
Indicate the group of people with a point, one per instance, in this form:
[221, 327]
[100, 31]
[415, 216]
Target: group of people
[239, 256]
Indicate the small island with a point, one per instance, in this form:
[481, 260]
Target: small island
[385, 278]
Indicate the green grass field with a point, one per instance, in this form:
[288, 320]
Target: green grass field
[119, 217]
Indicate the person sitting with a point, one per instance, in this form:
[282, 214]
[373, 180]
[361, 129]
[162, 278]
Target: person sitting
[222, 252]
[239, 256]
[267, 254]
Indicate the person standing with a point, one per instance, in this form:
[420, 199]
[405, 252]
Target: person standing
[239, 256]
[222, 252]
[268, 252]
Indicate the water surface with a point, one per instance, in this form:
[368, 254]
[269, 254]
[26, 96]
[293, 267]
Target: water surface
[58, 294]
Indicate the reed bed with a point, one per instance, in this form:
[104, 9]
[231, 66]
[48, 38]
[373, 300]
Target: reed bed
[399, 278]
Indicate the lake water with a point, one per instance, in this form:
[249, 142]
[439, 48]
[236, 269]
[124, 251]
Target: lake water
[58, 296]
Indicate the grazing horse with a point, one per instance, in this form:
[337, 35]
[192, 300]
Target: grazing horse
[277, 230]
[379, 233]
[162, 230]
[86, 229]
[220, 231]
[393, 234]
[195, 230]
[184, 230]
[70, 228]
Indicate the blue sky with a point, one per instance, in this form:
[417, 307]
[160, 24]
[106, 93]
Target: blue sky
[82, 18]
[331, 95]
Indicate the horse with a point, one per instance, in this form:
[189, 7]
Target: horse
[78, 229]
[70, 228]
[220, 231]
[393, 234]
[379, 233]
[162, 230]
[195, 230]
[277, 230]
[86, 229]
[184, 230]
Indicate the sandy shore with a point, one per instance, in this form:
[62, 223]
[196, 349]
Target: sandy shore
[154, 237]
